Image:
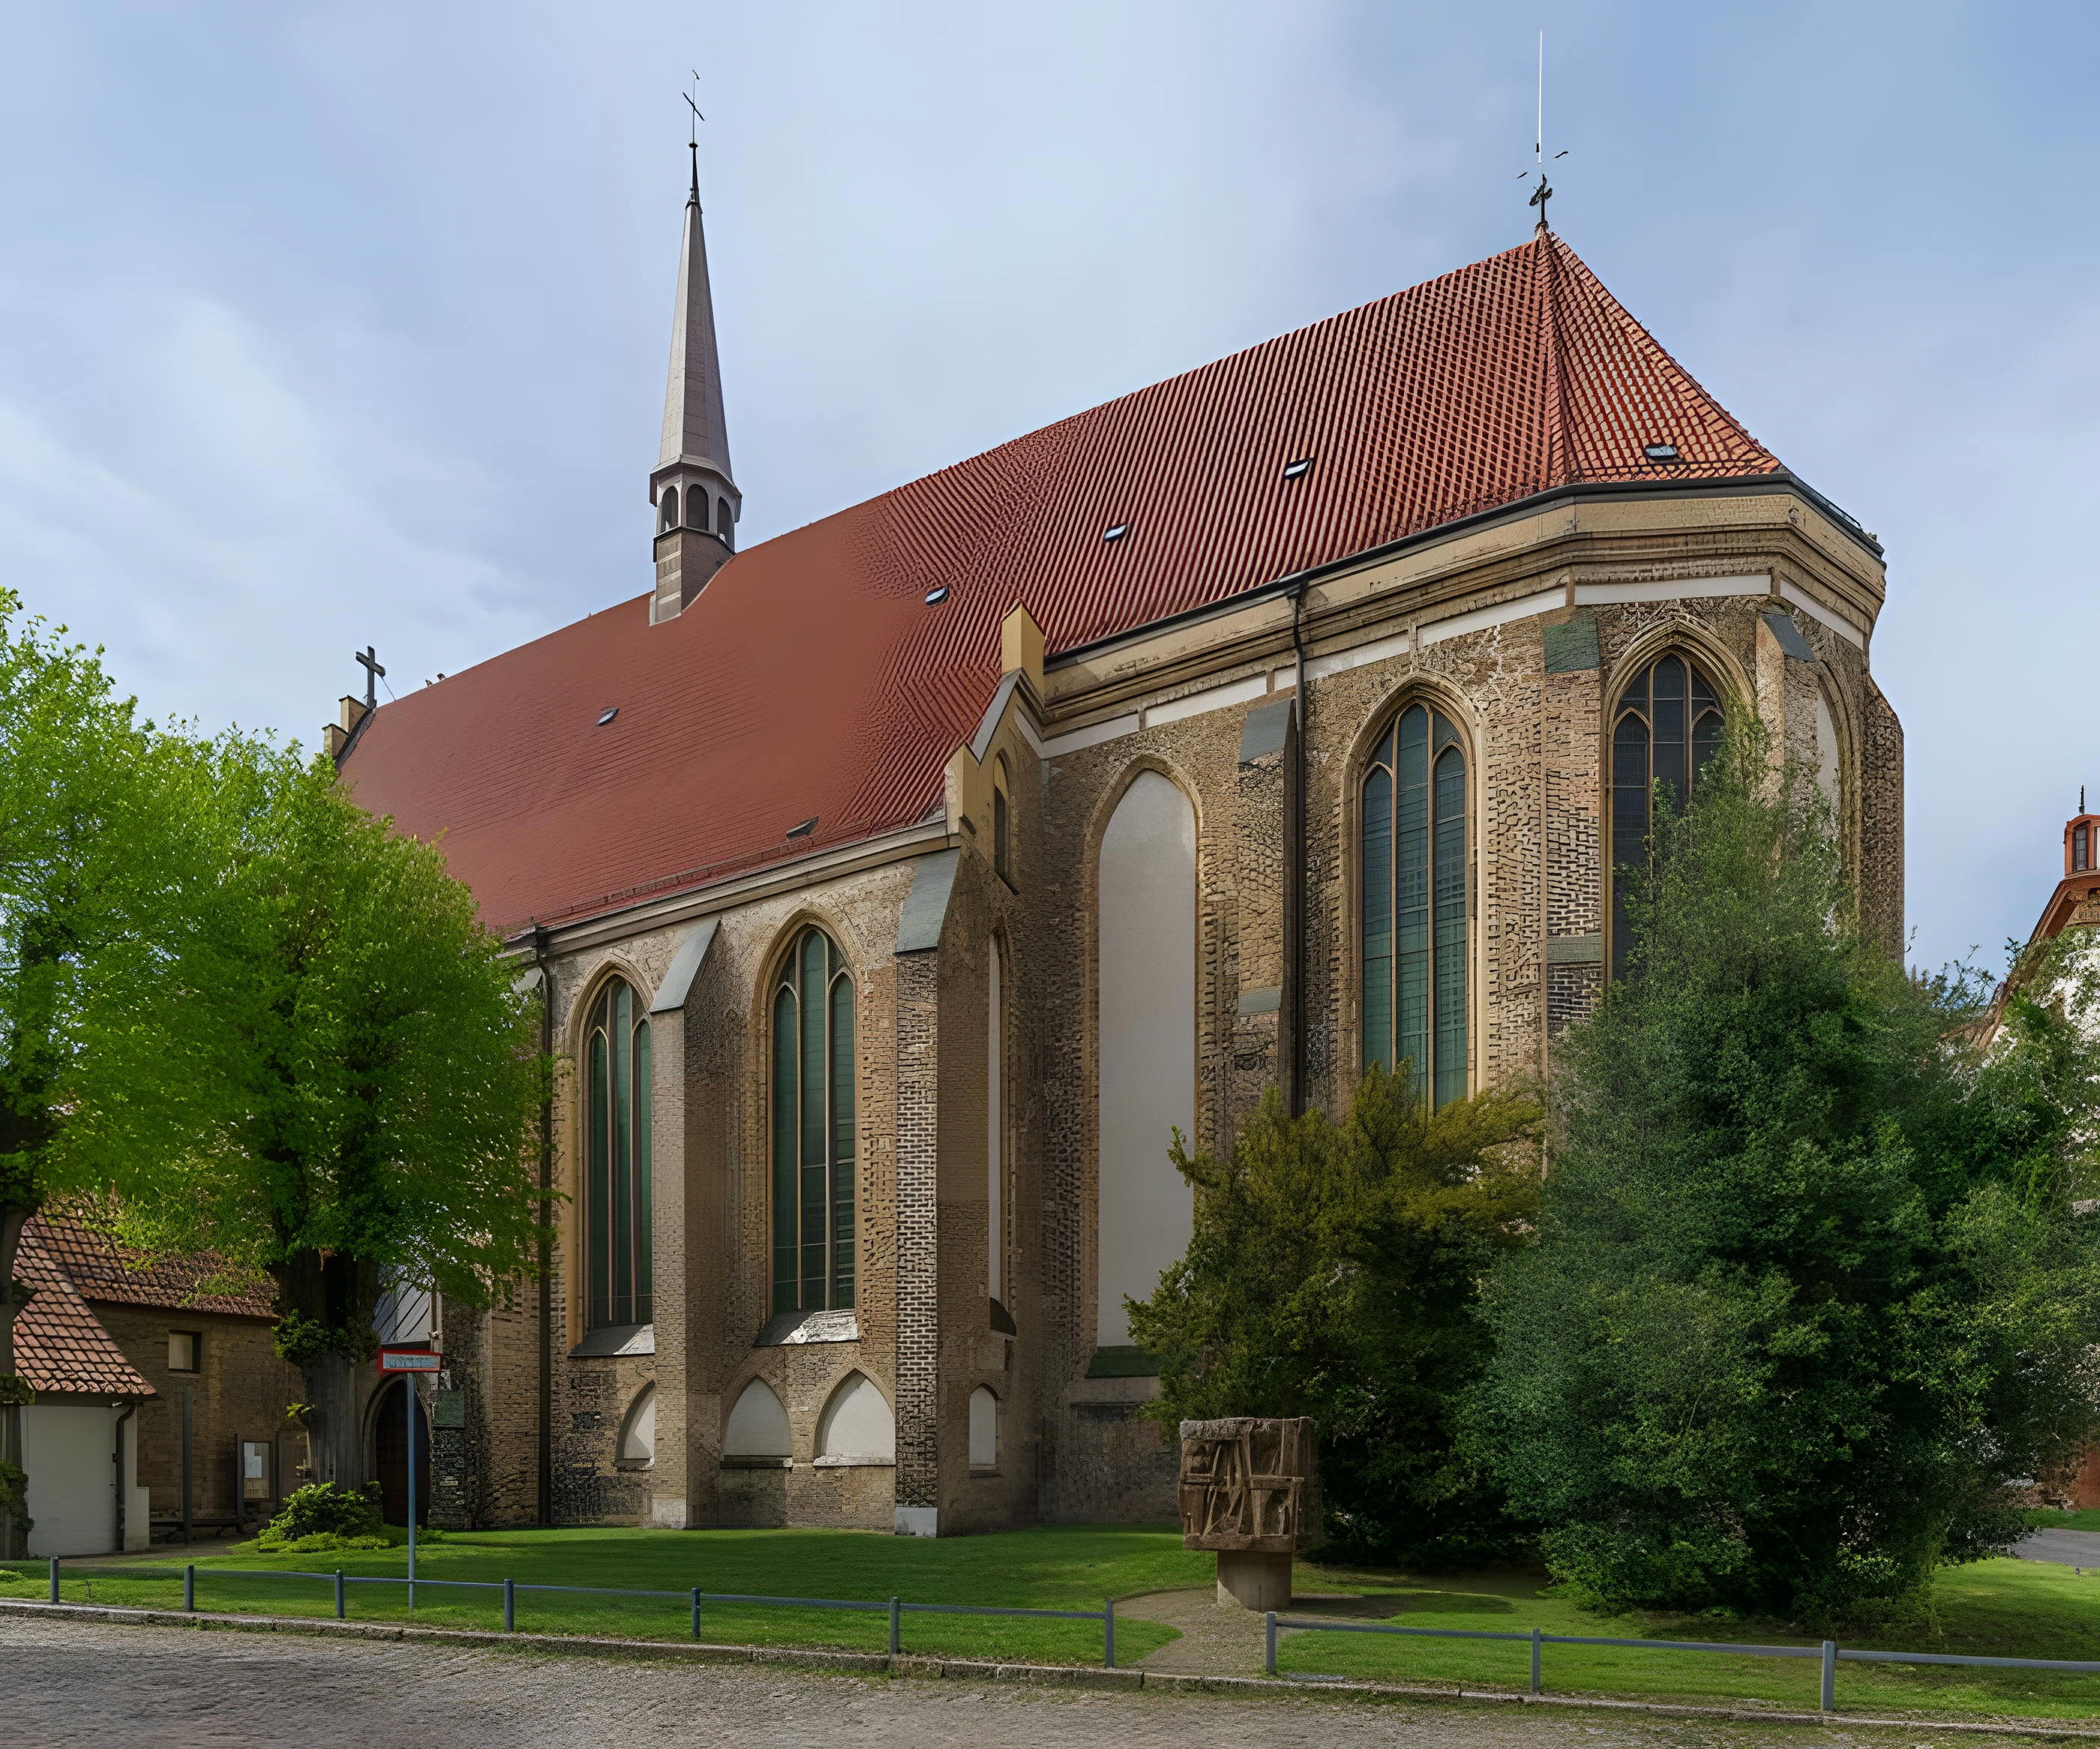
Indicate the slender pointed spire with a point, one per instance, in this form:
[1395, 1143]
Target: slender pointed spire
[695, 494]
[696, 429]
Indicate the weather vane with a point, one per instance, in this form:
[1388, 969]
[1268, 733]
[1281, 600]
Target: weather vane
[1544, 191]
[693, 132]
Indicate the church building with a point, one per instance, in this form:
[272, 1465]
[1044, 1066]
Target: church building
[899, 886]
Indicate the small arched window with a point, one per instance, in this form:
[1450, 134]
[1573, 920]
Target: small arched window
[2081, 848]
[616, 1117]
[670, 507]
[1667, 725]
[1415, 933]
[725, 524]
[813, 1128]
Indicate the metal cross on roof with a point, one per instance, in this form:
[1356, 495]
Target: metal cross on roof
[368, 659]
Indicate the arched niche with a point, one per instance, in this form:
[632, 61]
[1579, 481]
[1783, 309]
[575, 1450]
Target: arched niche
[984, 1428]
[638, 1432]
[758, 1425]
[857, 1423]
[1146, 996]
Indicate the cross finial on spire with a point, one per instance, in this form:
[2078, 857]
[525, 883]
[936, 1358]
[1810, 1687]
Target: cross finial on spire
[693, 139]
[368, 658]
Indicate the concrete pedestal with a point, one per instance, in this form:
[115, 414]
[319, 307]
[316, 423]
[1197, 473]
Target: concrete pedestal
[1253, 1582]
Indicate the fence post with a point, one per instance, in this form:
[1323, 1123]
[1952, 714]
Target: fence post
[1108, 1635]
[341, 1594]
[896, 1624]
[696, 1612]
[1268, 1626]
[511, 1606]
[189, 1587]
[55, 1579]
[1535, 1687]
[1829, 1675]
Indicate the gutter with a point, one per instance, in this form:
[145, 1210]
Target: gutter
[540, 942]
[1734, 486]
[1294, 914]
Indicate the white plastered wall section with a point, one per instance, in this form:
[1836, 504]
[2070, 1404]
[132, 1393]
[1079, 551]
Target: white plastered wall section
[1147, 997]
[69, 1451]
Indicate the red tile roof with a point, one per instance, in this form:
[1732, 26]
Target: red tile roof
[103, 1269]
[60, 1345]
[811, 677]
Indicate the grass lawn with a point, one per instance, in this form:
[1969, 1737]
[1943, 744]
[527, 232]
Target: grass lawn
[1053, 1567]
[2019, 1609]
[2078, 1518]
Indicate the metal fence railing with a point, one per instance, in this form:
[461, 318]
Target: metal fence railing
[1829, 1653]
[694, 1600]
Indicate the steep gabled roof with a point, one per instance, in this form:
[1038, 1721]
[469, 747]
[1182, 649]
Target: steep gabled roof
[103, 1269]
[60, 1345]
[812, 678]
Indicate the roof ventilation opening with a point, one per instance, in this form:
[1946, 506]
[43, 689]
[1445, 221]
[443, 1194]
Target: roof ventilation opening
[606, 716]
[935, 597]
[1661, 452]
[1117, 531]
[805, 829]
[1299, 468]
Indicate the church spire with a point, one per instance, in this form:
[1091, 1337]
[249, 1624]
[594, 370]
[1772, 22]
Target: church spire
[695, 495]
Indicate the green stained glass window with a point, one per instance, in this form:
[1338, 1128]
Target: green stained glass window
[617, 1228]
[1667, 727]
[814, 1134]
[1416, 872]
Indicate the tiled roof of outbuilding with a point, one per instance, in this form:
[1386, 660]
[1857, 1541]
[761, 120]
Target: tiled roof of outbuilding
[103, 1269]
[60, 1345]
[812, 678]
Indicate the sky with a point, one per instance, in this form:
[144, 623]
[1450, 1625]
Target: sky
[325, 325]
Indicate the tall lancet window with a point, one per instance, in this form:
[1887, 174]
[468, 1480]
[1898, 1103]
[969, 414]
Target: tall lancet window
[1416, 936]
[616, 1216]
[813, 1128]
[1667, 727]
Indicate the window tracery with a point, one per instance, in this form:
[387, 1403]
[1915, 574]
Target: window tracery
[813, 1128]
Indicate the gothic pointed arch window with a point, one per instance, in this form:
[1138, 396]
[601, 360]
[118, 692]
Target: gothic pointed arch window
[1416, 930]
[1666, 727]
[616, 1122]
[812, 1127]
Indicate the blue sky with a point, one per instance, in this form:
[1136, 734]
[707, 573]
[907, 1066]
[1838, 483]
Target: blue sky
[325, 325]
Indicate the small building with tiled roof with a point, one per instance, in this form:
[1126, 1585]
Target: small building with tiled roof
[165, 1366]
[900, 885]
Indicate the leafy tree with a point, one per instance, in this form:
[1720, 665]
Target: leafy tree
[95, 853]
[1333, 1272]
[1813, 1295]
[376, 1073]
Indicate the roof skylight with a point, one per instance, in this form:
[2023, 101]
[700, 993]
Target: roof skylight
[607, 716]
[805, 829]
[935, 597]
[1116, 532]
[1661, 452]
[1296, 470]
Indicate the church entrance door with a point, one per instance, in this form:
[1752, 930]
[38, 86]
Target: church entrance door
[390, 1435]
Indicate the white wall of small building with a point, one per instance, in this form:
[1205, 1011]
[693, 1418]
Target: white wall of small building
[69, 1451]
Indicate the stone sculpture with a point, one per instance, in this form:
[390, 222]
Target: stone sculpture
[1250, 1493]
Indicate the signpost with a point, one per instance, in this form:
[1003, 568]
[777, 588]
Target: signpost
[410, 1360]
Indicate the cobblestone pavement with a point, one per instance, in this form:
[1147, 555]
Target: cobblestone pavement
[67, 1683]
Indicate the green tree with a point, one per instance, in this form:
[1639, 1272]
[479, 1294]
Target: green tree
[95, 854]
[1813, 1294]
[376, 1073]
[1335, 1272]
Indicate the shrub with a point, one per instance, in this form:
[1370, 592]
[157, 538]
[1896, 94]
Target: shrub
[322, 1509]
